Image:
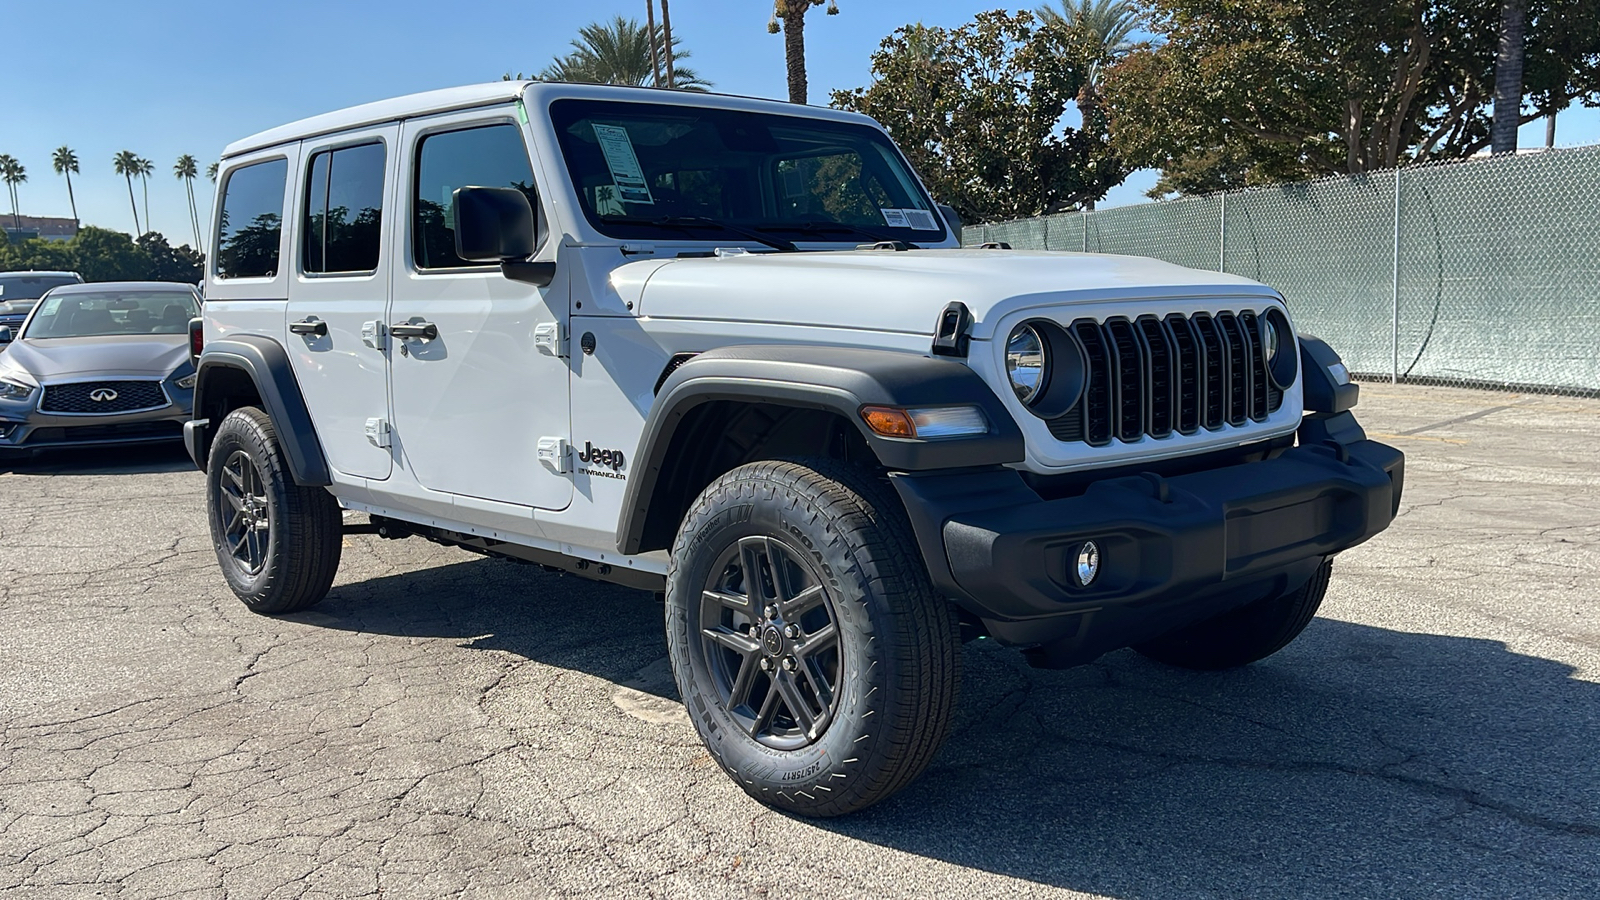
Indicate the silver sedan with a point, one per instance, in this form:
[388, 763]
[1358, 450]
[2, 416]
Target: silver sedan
[99, 364]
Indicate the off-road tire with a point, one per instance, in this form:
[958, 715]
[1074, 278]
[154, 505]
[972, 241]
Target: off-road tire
[898, 650]
[300, 554]
[1244, 635]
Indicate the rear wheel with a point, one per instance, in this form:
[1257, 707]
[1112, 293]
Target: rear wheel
[1244, 635]
[278, 543]
[815, 659]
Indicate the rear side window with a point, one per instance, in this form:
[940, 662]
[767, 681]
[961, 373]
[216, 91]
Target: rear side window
[252, 220]
[490, 156]
[344, 210]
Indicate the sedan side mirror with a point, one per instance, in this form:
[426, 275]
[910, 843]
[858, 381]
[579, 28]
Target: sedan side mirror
[499, 225]
[5, 334]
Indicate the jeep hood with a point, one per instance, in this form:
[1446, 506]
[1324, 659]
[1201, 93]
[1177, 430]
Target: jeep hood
[51, 358]
[881, 290]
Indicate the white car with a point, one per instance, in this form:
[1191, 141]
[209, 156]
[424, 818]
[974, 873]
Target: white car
[730, 351]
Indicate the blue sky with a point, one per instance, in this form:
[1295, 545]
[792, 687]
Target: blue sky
[167, 77]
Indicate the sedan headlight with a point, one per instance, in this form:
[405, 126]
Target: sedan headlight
[14, 390]
[187, 381]
[1026, 362]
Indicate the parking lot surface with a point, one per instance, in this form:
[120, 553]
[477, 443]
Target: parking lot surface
[445, 725]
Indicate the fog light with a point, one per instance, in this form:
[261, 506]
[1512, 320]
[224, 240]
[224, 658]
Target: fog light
[1088, 563]
[5, 430]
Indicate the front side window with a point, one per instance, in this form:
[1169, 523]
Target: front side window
[487, 156]
[100, 313]
[252, 220]
[658, 171]
[343, 219]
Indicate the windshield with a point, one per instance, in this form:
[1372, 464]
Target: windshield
[645, 170]
[113, 312]
[29, 286]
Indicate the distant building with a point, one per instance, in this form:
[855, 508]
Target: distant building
[50, 228]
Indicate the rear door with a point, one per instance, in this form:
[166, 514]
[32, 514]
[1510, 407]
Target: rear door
[340, 291]
[472, 401]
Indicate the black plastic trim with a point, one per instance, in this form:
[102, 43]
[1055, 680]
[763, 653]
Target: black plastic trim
[267, 364]
[838, 379]
[1322, 393]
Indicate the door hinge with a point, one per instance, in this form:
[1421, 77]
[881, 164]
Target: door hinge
[378, 432]
[372, 334]
[553, 454]
[547, 338]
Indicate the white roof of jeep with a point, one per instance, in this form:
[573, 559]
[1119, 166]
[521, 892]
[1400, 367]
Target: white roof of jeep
[474, 95]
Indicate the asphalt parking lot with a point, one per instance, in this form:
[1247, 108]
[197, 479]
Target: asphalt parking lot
[445, 725]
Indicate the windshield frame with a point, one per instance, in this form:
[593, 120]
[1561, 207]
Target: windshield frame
[564, 111]
[34, 314]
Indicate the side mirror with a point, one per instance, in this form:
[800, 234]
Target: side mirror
[951, 218]
[499, 225]
[5, 334]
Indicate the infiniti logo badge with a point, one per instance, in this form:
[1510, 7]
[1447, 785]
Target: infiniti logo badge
[102, 395]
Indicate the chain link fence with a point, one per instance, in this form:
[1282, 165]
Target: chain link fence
[1481, 272]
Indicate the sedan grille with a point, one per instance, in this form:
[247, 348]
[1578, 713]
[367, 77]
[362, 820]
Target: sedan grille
[102, 397]
[1154, 376]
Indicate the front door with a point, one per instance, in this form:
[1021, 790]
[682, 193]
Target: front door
[339, 292]
[474, 393]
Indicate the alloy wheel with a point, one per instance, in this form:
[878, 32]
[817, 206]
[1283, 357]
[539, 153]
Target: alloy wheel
[246, 512]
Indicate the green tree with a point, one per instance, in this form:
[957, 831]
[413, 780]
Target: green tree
[1237, 92]
[13, 173]
[186, 169]
[980, 110]
[127, 165]
[792, 13]
[211, 172]
[102, 255]
[146, 169]
[619, 52]
[65, 162]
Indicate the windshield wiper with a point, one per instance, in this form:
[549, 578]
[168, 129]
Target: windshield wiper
[833, 228]
[689, 223]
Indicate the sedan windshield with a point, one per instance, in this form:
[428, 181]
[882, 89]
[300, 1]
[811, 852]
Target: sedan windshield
[92, 314]
[30, 286]
[646, 170]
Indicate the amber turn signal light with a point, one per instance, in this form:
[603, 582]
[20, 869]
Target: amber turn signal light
[889, 421]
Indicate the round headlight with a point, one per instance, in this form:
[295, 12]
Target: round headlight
[1025, 362]
[1273, 339]
[1277, 346]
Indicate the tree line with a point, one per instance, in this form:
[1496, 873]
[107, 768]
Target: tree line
[100, 254]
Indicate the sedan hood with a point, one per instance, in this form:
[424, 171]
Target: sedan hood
[882, 290]
[50, 359]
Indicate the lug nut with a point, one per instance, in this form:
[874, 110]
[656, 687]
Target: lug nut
[754, 631]
[789, 665]
[791, 631]
[766, 664]
[772, 612]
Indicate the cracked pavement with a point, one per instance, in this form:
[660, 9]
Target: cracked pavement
[450, 726]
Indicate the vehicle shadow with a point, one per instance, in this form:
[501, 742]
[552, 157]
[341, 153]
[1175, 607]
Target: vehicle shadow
[1360, 761]
[138, 459]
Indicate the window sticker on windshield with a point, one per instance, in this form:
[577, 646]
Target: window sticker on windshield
[626, 173]
[915, 219]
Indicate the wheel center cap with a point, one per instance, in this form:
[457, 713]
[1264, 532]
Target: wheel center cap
[772, 640]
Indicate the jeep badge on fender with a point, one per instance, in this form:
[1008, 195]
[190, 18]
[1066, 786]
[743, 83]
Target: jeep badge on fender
[829, 468]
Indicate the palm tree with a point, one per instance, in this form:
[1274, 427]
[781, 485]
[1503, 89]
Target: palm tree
[1508, 64]
[793, 14]
[655, 52]
[666, 40]
[65, 163]
[186, 169]
[146, 169]
[211, 172]
[618, 52]
[127, 165]
[13, 173]
[1112, 22]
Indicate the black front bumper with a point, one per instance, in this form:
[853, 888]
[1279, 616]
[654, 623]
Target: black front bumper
[1173, 550]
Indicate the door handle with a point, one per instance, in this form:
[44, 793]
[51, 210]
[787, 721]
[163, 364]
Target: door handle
[311, 325]
[425, 330]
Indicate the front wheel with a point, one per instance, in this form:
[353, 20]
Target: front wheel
[814, 657]
[278, 542]
[1241, 636]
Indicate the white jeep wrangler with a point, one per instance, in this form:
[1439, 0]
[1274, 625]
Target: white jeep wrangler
[729, 350]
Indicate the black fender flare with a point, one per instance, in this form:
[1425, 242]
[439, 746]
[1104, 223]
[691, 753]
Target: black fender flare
[266, 363]
[837, 379]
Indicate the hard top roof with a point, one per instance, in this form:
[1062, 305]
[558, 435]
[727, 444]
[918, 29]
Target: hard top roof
[474, 95]
[99, 286]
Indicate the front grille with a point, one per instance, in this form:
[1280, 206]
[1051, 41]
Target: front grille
[130, 431]
[1156, 376]
[117, 397]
